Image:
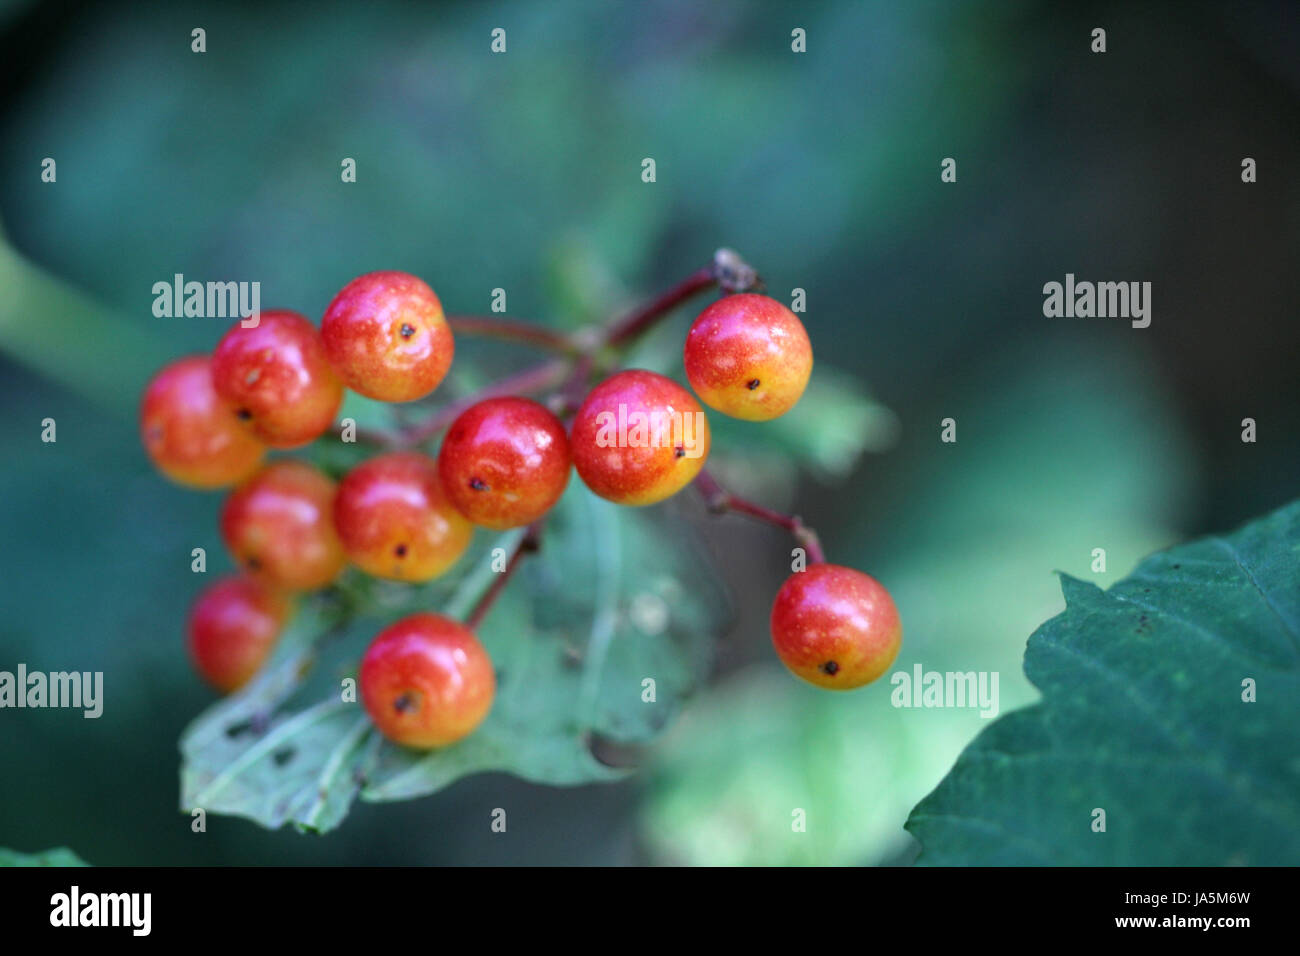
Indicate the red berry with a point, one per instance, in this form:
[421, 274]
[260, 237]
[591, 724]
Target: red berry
[394, 520]
[279, 525]
[233, 628]
[835, 627]
[505, 462]
[639, 438]
[426, 681]
[190, 434]
[277, 377]
[748, 356]
[387, 336]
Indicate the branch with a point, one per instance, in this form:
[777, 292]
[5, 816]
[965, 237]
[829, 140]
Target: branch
[512, 330]
[529, 543]
[721, 501]
[535, 378]
[727, 270]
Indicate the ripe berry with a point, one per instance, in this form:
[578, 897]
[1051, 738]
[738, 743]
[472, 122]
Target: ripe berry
[394, 520]
[190, 434]
[639, 438]
[387, 336]
[426, 681]
[277, 377]
[233, 627]
[279, 525]
[835, 627]
[505, 462]
[748, 356]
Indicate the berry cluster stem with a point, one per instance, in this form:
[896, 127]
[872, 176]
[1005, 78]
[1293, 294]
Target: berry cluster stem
[513, 330]
[727, 270]
[528, 544]
[720, 501]
[579, 353]
[535, 378]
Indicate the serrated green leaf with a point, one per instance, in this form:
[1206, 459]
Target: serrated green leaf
[1144, 716]
[58, 856]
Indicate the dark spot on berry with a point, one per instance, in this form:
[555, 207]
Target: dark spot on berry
[243, 414]
[254, 564]
[400, 551]
[283, 756]
[831, 668]
[679, 451]
[404, 703]
[407, 330]
[478, 484]
[752, 384]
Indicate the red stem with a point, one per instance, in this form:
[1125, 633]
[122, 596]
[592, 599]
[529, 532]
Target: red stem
[527, 545]
[629, 327]
[719, 501]
[512, 330]
[532, 379]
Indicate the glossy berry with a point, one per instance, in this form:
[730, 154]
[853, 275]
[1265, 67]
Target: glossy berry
[279, 526]
[387, 336]
[835, 627]
[278, 379]
[190, 434]
[233, 627]
[505, 462]
[426, 681]
[748, 356]
[394, 520]
[638, 438]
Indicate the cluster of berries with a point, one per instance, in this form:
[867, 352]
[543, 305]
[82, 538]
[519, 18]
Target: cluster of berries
[636, 439]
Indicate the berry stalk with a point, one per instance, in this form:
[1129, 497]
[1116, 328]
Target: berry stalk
[513, 330]
[535, 378]
[720, 501]
[528, 544]
[727, 270]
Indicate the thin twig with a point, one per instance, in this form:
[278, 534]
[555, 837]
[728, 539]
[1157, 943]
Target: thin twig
[721, 501]
[513, 330]
[535, 378]
[529, 543]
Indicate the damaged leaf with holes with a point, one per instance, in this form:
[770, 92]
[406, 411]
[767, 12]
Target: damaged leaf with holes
[599, 639]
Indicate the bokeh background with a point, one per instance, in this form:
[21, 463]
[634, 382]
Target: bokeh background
[522, 171]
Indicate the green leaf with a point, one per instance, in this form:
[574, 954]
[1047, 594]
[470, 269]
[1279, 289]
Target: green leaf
[614, 597]
[1145, 715]
[611, 600]
[58, 856]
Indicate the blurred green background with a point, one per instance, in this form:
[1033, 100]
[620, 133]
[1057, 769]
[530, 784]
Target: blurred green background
[522, 171]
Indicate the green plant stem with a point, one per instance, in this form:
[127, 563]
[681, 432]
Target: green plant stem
[721, 501]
